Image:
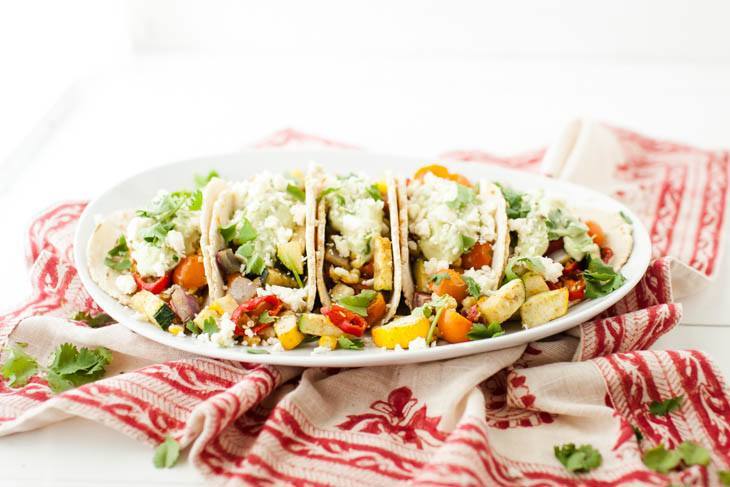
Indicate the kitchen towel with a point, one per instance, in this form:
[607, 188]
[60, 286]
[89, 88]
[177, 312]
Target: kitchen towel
[487, 419]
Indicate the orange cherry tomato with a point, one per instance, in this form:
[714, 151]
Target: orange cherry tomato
[479, 256]
[596, 233]
[376, 309]
[441, 172]
[190, 273]
[451, 284]
[453, 327]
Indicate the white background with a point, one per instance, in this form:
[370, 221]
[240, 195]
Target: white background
[92, 91]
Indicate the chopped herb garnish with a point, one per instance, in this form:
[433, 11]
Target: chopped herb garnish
[472, 287]
[662, 408]
[210, 326]
[661, 460]
[310, 338]
[464, 196]
[437, 278]
[296, 192]
[192, 327]
[625, 217]
[518, 205]
[257, 351]
[97, 321]
[467, 243]
[238, 232]
[72, 367]
[358, 303]
[350, 343]
[118, 257]
[693, 454]
[166, 453]
[374, 192]
[255, 265]
[517, 267]
[201, 181]
[601, 279]
[578, 460]
[265, 318]
[18, 366]
[480, 331]
[196, 200]
[245, 250]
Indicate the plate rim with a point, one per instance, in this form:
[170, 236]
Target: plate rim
[640, 257]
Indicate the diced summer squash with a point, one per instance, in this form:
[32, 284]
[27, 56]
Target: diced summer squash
[287, 331]
[340, 291]
[291, 256]
[226, 304]
[204, 314]
[328, 341]
[534, 284]
[419, 271]
[544, 307]
[400, 331]
[275, 277]
[498, 307]
[153, 308]
[382, 264]
[318, 325]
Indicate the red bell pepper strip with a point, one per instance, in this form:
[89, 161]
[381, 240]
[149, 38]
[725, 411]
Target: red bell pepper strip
[344, 319]
[252, 309]
[576, 288]
[155, 287]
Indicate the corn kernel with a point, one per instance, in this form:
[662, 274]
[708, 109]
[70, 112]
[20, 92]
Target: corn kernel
[382, 187]
[328, 341]
[175, 329]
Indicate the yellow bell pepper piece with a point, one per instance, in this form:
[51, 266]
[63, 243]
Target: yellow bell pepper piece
[287, 332]
[400, 331]
[328, 341]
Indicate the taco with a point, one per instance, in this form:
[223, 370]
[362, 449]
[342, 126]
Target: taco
[152, 258]
[454, 237]
[358, 250]
[261, 254]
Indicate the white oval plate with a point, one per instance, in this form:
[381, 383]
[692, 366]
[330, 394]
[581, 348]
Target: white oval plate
[137, 190]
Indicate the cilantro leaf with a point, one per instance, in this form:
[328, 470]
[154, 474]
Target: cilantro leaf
[97, 321]
[724, 477]
[265, 318]
[660, 459]
[166, 453]
[245, 250]
[18, 366]
[210, 326]
[480, 331]
[201, 180]
[662, 408]
[118, 257]
[72, 367]
[374, 192]
[350, 343]
[228, 232]
[472, 287]
[196, 200]
[518, 266]
[467, 243]
[464, 196]
[625, 217]
[238, 232]
[582, 459]
[257, 351]
[437, 278]
[255, 265]
[693, 454]
[601, 279]
[518, 205]
[358, 303]
[296, 192]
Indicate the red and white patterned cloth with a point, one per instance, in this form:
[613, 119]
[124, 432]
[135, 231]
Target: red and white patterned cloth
[489, 419]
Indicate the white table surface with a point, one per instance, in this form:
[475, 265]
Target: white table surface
[160, 109]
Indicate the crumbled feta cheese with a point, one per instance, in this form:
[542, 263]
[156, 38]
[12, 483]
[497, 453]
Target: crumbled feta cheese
[553, 270]
[224, 336]
[320, 350]
[418, 343]
[354, 214]
[276, 347]
[126, 284]
[299, 213]
[397, 348]
[532, 235]
[176, 242]
[342, 245]
[432, 266]
[294, 298]
[484, 277]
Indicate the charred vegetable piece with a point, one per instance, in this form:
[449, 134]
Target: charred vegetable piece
[318, 325]
[534, 284]
[275, 277]
[544, 307]
[228, 262]
[242, 288]
[149, 305]
[184, 305]
[419, 271]
[291, 256]
[500, 306]
[334, 259]
[382, 264]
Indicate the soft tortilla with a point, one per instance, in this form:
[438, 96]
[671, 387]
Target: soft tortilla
[500, 247]
[210, 195]
[393, 215]
[104, 238]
